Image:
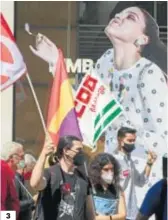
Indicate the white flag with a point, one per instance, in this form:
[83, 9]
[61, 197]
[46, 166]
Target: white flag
[96, 108]
[12, 63]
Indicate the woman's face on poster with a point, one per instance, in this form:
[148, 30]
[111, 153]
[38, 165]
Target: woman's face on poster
[126, 26]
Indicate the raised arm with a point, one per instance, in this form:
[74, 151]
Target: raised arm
[140, 179]
[38, 181]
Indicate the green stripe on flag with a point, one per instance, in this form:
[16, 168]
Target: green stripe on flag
[107, 121]
[104, 111]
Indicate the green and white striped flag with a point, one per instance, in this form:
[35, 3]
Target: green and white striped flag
[96, 108]
[105, 117]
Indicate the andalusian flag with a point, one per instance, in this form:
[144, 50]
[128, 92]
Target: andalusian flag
[12, 63]
[62, 119]
[96, 108]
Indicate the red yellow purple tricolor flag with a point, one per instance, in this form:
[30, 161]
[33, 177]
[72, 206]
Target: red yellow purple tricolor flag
[62, 118]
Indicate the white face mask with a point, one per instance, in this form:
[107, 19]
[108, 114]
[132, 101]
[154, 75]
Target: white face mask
[107, 178]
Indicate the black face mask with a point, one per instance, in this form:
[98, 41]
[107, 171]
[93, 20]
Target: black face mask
[128, 148]
[79, 159]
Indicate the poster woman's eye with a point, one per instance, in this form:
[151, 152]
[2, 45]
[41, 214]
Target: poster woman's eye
[131, 17]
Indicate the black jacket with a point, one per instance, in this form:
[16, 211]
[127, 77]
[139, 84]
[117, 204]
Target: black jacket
[26, 202]
[50, 198]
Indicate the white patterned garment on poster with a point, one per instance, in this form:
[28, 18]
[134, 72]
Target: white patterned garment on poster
[144, 101]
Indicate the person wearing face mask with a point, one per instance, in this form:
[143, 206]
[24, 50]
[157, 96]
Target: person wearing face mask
[155, 201]
[11, 153]
[108, 196]
[129, 175]
[64, 193]
[25, 198]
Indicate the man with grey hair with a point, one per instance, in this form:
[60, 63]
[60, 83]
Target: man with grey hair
[11, 154]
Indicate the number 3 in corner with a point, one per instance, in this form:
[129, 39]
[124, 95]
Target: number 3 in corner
[7, 215]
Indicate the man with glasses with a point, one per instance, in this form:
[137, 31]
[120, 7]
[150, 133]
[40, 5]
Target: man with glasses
[12, 154]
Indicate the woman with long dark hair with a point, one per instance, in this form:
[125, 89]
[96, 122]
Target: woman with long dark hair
[108, 196]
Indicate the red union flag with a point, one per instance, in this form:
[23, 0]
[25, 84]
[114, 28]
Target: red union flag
[12, 63]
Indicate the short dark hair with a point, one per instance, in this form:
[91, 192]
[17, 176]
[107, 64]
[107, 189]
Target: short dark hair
[125, 130]
[65, 142]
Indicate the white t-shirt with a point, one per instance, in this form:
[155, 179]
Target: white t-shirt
[142, 91]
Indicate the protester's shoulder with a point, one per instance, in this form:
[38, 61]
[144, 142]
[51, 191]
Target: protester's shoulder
[52, 170]
[6, 171]
[107, 55]
[3, 165]
[84, 179]
[118, 156]
[81, 174]
[159, 184]
[156, 188]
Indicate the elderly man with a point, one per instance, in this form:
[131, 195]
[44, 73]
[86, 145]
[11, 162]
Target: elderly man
[11, 155]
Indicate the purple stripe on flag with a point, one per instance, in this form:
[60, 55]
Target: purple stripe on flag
[70, 125]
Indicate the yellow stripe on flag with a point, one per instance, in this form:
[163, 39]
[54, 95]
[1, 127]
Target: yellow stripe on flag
[66, 104]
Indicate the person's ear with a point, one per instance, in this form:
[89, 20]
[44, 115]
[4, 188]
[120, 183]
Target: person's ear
[142, 41]
[65, 151]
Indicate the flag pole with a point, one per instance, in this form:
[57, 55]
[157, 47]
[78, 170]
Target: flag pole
[37, 104]
[40, 113]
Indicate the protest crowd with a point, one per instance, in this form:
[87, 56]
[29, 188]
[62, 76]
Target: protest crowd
[129, 115]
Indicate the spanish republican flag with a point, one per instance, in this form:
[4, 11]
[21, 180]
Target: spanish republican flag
[62, 119]
[12, 63]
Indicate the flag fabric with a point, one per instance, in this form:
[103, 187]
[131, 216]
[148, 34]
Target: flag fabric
[62, 119]
[96, 108]
[12, 64]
